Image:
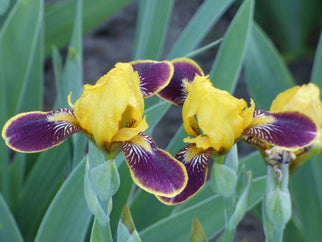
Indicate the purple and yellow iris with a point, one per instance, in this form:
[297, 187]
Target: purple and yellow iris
[110, 114]
[292, 125]
[214, 120]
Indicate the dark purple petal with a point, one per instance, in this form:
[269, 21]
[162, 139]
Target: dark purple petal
[153, 169]
[37, 131]
[196, 167]
[185, 69]
[285, 129]
[153, 75]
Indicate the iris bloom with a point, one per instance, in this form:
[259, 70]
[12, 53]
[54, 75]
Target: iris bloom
[299, 133]
[214, 120]
[110, 114]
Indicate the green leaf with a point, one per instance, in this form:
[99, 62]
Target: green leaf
[306, 202]
[154, 114]
[146, 210]
[6, 16]
[225, 71]
[122, 196]
[9, 230]
[266, 72]
[39, 188]
[292, 30]
[67, 217]
[95, 233]
[176, 142]
[255, 163]
[70, 78]
[151, 25]
[210, 213]
[17, 173]
[316, 76]
[4, 6]
[203, 49]
[199, 25]
[241, 206]
[19, 52]
[60, 21]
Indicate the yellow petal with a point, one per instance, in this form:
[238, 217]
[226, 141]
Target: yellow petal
[220, 117]
[112, 104]
[304, 99]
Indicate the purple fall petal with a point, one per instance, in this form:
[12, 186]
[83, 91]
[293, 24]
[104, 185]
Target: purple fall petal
[184, 70]
[197, 168]
[153, 169]
[288, 129]
[37, 131]
[153, 75]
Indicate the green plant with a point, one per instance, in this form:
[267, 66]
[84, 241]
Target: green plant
[42, 195]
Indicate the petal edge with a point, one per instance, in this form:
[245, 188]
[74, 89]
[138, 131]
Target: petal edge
[154, 75]
[153, 169]
[196, 163]
[38, 131]
[290, 130]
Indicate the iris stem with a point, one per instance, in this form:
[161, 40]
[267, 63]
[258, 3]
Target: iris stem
[278, 234]
[105, 227]
[105, 230]
[228, 234]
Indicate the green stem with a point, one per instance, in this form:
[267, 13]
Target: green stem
[105, 227]
[278, 234]
[105, 230]
[228, 234]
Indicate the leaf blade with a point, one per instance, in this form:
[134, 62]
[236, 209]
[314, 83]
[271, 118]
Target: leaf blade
[231, 53]
[67, 214]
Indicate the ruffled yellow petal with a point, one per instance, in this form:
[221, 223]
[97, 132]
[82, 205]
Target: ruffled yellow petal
[304, 99]
[219, 117]
[113, 104]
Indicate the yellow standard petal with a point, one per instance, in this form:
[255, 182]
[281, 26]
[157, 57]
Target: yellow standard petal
[213, 117]
[112, 109]
[304, 99]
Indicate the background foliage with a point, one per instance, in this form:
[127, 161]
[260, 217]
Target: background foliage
[42, 194]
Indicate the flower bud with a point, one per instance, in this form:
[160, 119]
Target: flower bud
[223, 179]
[278, 207]
[105, 180]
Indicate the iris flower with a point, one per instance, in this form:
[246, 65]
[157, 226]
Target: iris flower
[295, 128]
[110, 114]
[214, 120]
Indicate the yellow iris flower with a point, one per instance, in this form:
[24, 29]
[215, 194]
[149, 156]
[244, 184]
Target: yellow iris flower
[112, 109]
[214, 118]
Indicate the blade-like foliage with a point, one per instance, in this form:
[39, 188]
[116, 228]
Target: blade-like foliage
[67, 217]
[199, 25]
[9, 230]
[151, 25]
[266, 73]
[59, 18]
[39, 189]
[225, 71]
[210, 213]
